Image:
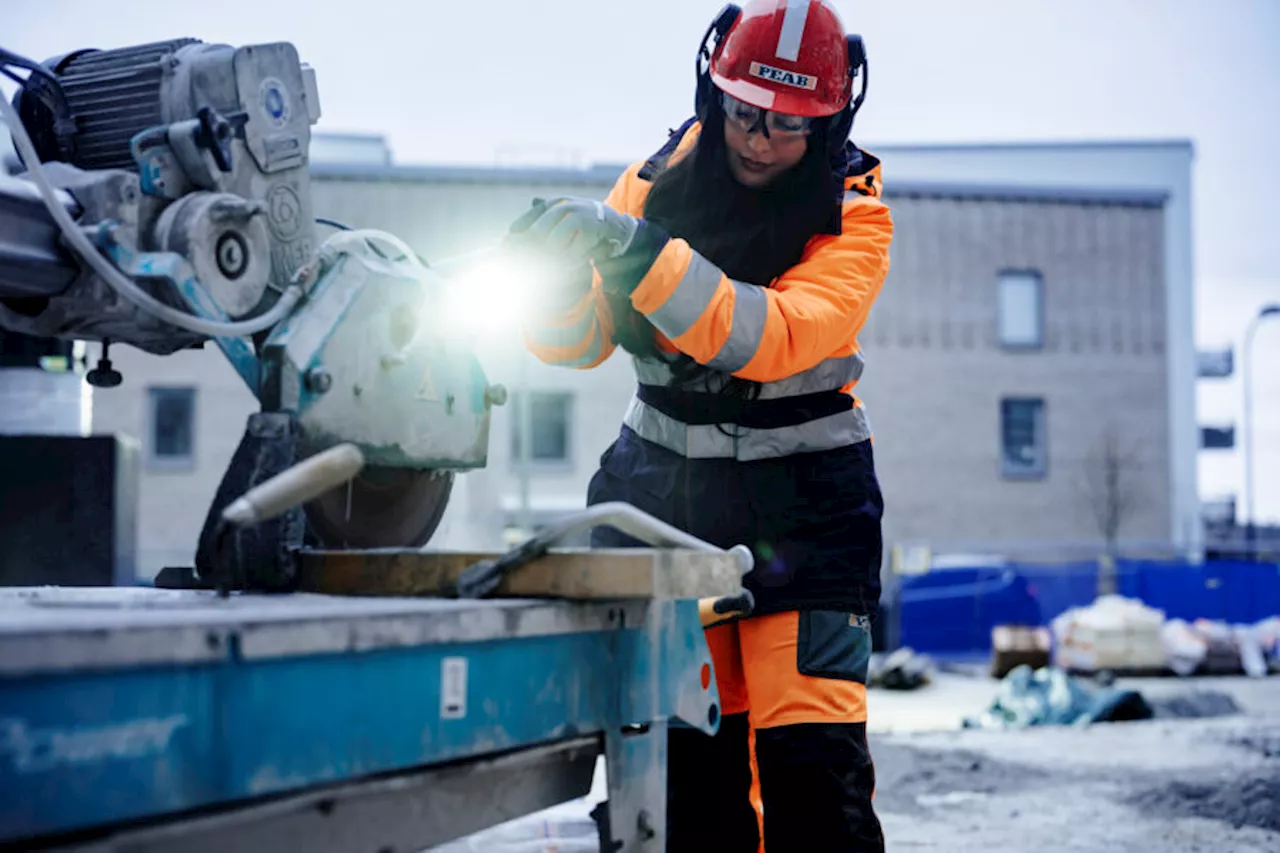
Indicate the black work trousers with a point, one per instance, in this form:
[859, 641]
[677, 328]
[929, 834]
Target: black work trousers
[816, 783]
[813, 524]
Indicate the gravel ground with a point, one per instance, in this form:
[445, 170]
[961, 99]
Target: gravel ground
[1209, 785]
[1206, 784]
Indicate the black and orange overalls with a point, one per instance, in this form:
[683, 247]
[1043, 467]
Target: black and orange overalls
[791, 475]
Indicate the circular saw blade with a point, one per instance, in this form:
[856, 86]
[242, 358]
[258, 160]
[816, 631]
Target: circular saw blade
[381, 508]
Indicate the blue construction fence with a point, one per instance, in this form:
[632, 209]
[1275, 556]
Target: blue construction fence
[952, 610]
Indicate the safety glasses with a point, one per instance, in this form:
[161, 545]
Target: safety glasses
[748, 118]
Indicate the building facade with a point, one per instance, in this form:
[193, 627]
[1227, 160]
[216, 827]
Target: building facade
[1017, 371]
[1030, 363]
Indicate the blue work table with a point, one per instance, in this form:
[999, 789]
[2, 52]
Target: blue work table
[148, 719]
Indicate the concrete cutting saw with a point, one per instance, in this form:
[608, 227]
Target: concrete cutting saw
[165, 203]
[388, 702]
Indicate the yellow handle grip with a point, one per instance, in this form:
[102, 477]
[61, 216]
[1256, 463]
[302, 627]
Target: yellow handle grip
[714, 611]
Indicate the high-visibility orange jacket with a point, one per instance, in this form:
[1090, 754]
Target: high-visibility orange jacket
[797, 336]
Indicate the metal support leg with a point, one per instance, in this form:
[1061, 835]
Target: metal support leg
[666, 674]
[637, 770]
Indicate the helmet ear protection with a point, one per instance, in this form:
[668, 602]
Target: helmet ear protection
[841, 122]
[720, 27]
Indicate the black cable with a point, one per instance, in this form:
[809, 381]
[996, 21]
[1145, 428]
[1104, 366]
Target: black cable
[8, 57]
[52, 94]
[21, 81]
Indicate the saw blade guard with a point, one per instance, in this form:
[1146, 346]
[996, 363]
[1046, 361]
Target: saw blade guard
[369, 359]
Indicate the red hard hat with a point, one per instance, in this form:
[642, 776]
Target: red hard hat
[789, 56]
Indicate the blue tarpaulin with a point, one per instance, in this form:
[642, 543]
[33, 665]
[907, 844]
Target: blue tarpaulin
[1050, 697]
[952, 611]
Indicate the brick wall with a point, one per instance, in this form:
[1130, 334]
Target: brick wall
[936, 371]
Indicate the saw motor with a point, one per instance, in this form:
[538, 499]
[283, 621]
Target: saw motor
[165, 204]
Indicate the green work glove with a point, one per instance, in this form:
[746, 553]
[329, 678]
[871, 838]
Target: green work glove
[576, 229]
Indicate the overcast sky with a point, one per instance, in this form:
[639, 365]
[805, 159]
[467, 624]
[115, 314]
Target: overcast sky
[601, 80]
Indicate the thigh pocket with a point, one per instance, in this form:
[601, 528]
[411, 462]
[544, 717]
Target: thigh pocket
[833, 644]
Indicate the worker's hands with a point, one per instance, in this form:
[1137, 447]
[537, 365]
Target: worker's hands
[575, 229]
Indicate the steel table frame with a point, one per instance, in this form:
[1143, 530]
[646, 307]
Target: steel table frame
[141, 719]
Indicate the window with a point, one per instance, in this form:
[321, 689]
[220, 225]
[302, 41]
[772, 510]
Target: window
[1021, 310]
[172, 427]
[1219, 512]
[1216, 364]
[549, 421]
[1217, 437]
[1022, 438]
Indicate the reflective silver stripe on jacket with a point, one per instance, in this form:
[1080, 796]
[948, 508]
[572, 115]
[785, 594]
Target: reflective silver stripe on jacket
[828, 375]
[592, 353]
[690, 298]
[711, 441]
[689, 301]
[750, 309]
[564, 336]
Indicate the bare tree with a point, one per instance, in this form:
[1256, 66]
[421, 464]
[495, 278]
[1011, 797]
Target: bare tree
[1111, 480]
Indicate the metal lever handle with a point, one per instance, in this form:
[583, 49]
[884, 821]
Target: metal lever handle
[480, 579]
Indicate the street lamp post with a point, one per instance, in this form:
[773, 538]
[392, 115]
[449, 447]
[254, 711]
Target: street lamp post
[1250, 533]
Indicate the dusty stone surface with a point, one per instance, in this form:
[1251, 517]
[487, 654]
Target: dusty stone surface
[1203, 777]
[1199, 785]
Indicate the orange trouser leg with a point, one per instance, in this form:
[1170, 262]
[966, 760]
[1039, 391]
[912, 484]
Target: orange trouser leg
[806, 775]
[779, 694]
[812, 776]
[756, 802]
[726, 660]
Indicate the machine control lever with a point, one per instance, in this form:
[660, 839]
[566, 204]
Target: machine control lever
[215, 132]
[482, 578]
[303, 482]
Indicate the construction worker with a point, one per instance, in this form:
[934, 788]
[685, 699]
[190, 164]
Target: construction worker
[737, 266]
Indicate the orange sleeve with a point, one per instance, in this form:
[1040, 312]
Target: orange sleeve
[811, 312]
[582, 336]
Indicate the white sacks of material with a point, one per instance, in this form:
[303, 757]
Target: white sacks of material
[1112, 633]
